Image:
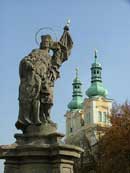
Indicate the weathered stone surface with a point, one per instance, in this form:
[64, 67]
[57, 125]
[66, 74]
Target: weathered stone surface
[39, 150]
[44, 134]
[43, 129]
[46, 158]
[38, 72]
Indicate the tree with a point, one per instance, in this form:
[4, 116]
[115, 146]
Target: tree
[114, 146]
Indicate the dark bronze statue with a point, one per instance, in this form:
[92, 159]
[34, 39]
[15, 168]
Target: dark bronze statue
[38, 72]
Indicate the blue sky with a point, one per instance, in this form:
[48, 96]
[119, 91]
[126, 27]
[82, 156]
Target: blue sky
[101, 24]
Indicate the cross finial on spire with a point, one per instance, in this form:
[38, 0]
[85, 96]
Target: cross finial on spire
[77, 72]
[95, 55]
[66, 27]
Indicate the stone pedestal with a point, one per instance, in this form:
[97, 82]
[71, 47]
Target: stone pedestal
[39, 150]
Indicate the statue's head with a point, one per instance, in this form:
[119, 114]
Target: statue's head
[46, 41]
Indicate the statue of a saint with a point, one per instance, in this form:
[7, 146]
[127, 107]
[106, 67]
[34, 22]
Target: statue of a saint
[38, 72]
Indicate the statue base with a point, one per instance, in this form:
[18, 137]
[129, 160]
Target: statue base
[39, 150]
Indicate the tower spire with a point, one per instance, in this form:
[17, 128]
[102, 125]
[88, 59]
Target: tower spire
[77, 98]
[77, 72]
[96, 88]
[95, 55]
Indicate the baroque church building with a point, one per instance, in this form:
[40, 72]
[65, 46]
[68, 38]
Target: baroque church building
[86, 118]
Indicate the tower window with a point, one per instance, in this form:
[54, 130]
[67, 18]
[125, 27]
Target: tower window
[94, 72]
[104, 117]
[97, 72]
[71, 130]
[100, 116]
[76, 87]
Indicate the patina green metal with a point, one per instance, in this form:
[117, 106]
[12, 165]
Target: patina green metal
[96, 88]
[77, 97]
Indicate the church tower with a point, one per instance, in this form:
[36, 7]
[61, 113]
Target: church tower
[96, 88]
[97, 106]
[83, 117]
[77, 97]
[75, 106]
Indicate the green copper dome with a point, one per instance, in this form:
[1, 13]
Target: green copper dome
[77, 98]
[96, 88]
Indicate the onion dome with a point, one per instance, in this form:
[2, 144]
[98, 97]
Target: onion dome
[96, 88]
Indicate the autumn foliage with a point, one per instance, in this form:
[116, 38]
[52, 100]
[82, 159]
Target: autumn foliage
[114, 147]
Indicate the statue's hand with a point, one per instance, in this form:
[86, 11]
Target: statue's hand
[55, 46]
[51, 77]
